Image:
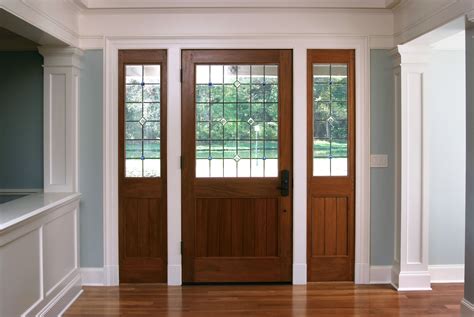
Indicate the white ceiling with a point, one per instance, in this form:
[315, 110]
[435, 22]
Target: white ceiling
[162, 4]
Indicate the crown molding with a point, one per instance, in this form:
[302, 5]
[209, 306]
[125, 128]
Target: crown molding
[163, 4]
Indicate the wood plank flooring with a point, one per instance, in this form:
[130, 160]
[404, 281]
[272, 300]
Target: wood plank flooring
[321, 299]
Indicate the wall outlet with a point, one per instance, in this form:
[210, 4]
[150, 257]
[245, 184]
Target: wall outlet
[379, 160]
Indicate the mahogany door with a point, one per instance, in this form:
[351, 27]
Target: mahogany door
[237, 165]
[331, 165]
[142, 166]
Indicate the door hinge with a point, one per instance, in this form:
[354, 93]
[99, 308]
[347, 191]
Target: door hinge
[182, 248]
[181, 162]
[181, 75]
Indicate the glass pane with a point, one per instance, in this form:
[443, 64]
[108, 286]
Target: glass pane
[151, 130]
[151, 149]
[151, 93]
[133, 149]
[236, 121]
[202, 74]
[134, 93]
[151, 74]
[271, 74]
[133, 111]
[151, 168]
[217, 74]
[133, 168]
[330, 139]
[142, 121]
[133, 74]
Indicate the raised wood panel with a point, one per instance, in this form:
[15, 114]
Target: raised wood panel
[142, 241]
[143, 227]
[330, 219]
[236, 227]
[261, 269]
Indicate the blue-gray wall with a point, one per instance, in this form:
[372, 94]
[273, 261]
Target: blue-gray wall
[90, 160]
[21, 120]
[446, 129]
[382, 141]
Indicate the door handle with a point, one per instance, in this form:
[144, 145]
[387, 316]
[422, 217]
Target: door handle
[284, 182]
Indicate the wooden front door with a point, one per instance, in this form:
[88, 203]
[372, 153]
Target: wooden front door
[237, 165]
[331, 165]
[142, 166]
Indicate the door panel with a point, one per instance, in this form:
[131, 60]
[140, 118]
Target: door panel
[236, 140]
[331, 165]
[142, 166]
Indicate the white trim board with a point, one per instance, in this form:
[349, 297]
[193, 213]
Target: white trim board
[450, 273]
[93, 276]
[299, 44]
[19, 191]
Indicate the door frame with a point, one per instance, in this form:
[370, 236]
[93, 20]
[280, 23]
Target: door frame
[299, 44]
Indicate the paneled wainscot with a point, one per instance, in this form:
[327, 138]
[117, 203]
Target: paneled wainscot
[39, 255]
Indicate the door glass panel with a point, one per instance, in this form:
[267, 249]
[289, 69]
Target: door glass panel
[236, 120]
[330, 139]
[142, 121]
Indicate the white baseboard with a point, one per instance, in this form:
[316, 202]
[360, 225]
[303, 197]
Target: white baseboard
[175, 275]
[111, 274]
[467, 308]
[447, 273]
[380, 274]
[362, 273]
[299, 274]
[93, 276]
[61, 298]
[453, 273]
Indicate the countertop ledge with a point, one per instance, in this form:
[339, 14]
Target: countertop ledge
[22, 209]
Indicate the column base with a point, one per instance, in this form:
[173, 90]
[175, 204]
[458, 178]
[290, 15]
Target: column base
[411, 280]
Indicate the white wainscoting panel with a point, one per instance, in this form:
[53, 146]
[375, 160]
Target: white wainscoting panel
[39, 259]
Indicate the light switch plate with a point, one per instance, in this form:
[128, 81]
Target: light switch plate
[379, 160]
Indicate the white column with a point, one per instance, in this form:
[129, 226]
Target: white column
[61, 99]
[410, 267]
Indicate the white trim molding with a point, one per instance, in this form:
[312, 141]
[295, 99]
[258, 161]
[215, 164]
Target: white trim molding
[410, 267]
[93, 276]
[446, 273]
[299, 44]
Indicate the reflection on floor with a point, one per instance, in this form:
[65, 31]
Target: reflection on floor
[340, 299]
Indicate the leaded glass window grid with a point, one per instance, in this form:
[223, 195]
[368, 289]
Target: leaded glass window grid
[261, 142]
[337, 146]
[146, 141]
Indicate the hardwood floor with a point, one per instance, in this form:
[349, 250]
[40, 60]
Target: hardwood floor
[341, 299]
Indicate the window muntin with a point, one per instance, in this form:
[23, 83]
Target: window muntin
[236, 120]
[330, 121]
[142, 121]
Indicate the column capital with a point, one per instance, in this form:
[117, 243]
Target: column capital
[411, 54]
[61, 56]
